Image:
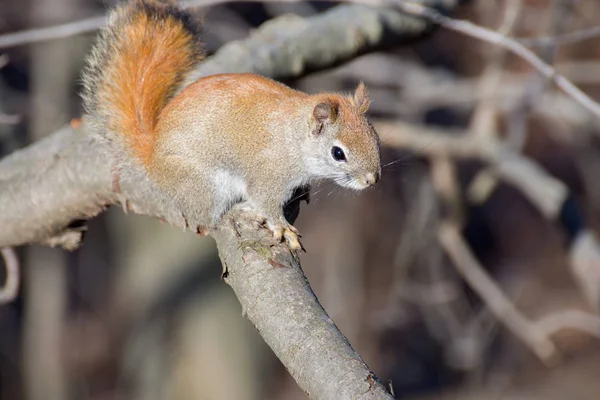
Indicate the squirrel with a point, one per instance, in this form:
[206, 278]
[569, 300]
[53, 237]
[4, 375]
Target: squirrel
[224, 139]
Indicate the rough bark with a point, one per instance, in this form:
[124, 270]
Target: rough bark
[277, 298]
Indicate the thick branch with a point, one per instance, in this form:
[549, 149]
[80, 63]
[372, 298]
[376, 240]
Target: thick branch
[277, 298]
[50, 184]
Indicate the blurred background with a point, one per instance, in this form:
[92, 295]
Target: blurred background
[471, 271]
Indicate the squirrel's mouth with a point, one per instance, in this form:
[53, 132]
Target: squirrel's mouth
[350, 182]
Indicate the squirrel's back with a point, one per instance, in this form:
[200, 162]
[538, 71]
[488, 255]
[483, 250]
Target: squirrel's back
[140, 60]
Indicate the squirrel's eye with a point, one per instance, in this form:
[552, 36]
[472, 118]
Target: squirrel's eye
[338, 154]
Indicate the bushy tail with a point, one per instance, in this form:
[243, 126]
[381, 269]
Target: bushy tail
[137, 64]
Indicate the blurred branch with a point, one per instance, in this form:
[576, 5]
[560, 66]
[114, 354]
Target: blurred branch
[285, 47]
[82, 26]
[74, 28]
[569, 319]
[5, 118]
[51, 33]
[536, 334]
[561, 40]
[545, 192]
[584, 259]
[11, 281]
[560, 13]
[9, 119]
[464, 93]
[473, 273]
[490, 36]
[45, 270]
[483, 121]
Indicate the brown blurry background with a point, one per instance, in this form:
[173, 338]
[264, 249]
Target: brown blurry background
[140, 312]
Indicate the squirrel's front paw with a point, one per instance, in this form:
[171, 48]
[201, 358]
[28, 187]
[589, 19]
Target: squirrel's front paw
[288, 233]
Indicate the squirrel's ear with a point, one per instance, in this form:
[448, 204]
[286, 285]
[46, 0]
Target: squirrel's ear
[361, 98]
[324, 113]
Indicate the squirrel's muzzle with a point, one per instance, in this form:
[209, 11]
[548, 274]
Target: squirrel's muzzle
[371, 178]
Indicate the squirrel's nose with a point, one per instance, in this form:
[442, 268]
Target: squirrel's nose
[371, 178]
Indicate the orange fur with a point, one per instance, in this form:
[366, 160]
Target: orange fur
[244, 99]
[143, 70]
[75, 123]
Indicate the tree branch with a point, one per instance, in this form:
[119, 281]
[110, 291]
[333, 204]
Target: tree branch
[290, 46]
[50, 184]
[277, 298]
[12, 276]
[546, 193]
[469, 268]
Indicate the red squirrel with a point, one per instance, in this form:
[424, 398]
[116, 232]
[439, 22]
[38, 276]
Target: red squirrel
[224, 139]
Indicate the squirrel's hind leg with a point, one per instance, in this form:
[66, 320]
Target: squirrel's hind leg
[193, 191]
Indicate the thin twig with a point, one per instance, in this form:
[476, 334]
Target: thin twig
[11, 282]
[9, 119]
[561, 40]
[444, 179]
[584, 259]
[3, 60]
[570, 319]
[473, 273]
[52, 32]
[545, 192]
[483, 122]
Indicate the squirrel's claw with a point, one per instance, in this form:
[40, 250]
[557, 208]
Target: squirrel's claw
[292, 238]
[289, 233]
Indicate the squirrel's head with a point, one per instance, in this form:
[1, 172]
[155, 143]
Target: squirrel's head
[345, 146]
